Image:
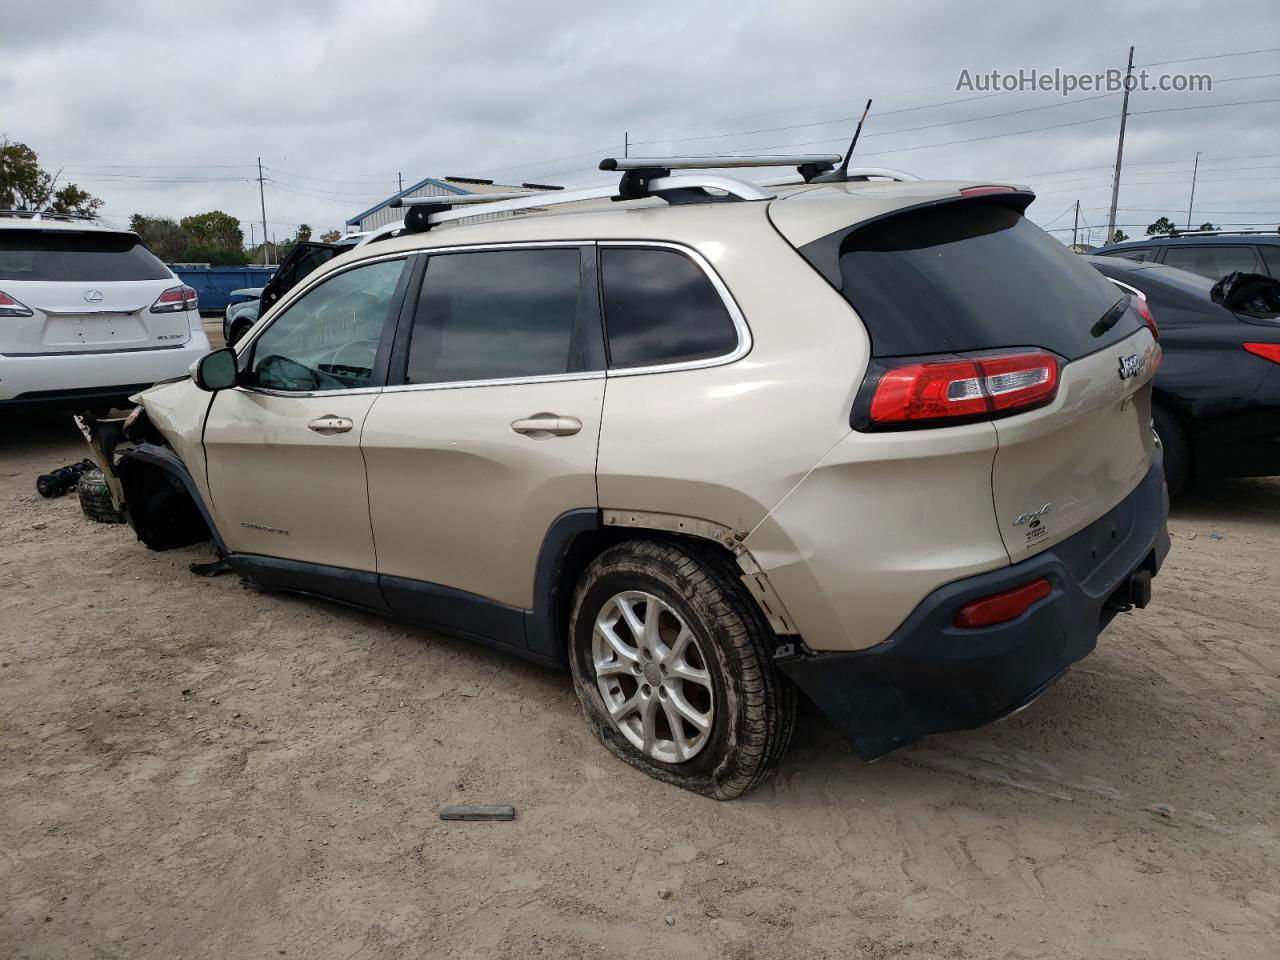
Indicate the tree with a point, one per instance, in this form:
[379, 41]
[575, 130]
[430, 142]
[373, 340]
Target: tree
[214, 237]
[1118, 236]
[24, 185]
[1207, 226]
[330, 236]
[1161, 228]
[163, 237]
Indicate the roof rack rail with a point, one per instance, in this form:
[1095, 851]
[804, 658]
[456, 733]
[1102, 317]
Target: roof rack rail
[45, 215]
[1213, 233]
[854, 173]
[639, 180]
[636, 170]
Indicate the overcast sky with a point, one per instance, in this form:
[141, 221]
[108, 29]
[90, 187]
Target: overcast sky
[163, 107]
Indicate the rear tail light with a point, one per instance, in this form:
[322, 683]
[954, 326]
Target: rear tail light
[10, 307]
[1144, 311]
[1268, 351]
[964, 389]
[176, 300]
[1002, 607]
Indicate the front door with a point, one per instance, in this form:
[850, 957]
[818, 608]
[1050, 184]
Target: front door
[283, 449]
[489, 436]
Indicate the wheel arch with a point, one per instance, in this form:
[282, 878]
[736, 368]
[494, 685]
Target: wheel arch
[577, 537]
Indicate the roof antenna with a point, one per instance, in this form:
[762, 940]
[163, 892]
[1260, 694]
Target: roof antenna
[843, 173]
[825, 174]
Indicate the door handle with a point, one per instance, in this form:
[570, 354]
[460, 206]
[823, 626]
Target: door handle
[543, 425]
[330, 424]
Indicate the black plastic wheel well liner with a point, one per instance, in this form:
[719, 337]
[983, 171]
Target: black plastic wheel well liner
[150, 472]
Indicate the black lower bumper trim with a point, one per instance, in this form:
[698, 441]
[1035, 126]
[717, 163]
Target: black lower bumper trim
[931, 676]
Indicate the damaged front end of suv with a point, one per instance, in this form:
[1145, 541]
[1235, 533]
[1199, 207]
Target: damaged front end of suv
[150, 482]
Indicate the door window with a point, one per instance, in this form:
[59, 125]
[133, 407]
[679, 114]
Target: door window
[1212, 261]
[661, 308]
[328, 338]
[498, 314]
[1139, 253]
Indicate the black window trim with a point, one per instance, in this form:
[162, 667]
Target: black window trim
[244, 349]
[740, 326]
[400, 348]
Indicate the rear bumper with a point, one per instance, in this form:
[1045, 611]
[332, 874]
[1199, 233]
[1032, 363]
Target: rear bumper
[931, 676]
[70, 380]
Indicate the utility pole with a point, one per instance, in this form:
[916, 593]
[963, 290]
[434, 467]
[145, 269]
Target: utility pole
[400, 179]
[1191, 202]
[1075, 228]
[1115, 184]
[626, 143]
[252, 243]
[262, 198]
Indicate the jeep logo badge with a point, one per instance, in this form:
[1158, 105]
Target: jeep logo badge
[1130, 366]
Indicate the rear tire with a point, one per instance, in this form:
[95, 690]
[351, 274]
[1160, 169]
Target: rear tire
[724, 678]
[1176, 447]
[95, 498]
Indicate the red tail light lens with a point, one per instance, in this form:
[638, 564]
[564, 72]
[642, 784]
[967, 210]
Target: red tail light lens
[965, 389]
[10, 307]
[176, 300]
[1144, 311]
[1002, 607]
[1268, 351]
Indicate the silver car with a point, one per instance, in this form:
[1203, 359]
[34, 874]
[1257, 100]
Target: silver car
[710, 445]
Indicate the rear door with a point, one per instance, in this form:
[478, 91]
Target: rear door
[971, 278]
[491, 435]
[303, 259]
[283, 450]
[1213, 260]
[89, 291]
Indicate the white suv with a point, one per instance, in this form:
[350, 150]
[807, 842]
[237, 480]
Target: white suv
[884, 444]
[88, 315]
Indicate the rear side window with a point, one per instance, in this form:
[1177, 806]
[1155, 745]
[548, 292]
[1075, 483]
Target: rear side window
[1213, 261]
[497, 314]
[660, 308]
[972, 277]
[77, 257]
[1139, 254]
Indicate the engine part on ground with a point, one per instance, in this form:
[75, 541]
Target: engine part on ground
[62, 480]
[95, 498]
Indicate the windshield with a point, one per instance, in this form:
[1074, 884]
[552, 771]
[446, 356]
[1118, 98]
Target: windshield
[76, 256]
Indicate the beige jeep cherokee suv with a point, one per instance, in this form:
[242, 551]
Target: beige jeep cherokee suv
[879, 442]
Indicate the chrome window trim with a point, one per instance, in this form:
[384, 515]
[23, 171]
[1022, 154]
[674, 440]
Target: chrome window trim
[745, 341]
[743, 347]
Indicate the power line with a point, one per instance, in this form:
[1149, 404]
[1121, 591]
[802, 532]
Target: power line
[1216, 56]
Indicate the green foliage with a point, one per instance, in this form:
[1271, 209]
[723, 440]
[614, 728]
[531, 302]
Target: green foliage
[1119, 235]
[1207, 226]
[212, 237]
[24, 185]
[330, 236]
[1161, 228]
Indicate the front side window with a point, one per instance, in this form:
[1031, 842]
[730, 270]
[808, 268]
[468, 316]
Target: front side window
[661, 308]
[328, 338]
[1212, 261]
[497, 314]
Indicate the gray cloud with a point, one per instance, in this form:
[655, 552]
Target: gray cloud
[339, 97]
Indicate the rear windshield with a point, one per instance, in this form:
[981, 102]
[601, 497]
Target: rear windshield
[971, 276]
[76, 256]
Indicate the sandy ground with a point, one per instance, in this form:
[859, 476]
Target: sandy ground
[192, 769]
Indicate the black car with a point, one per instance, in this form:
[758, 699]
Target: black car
[1217, 393]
